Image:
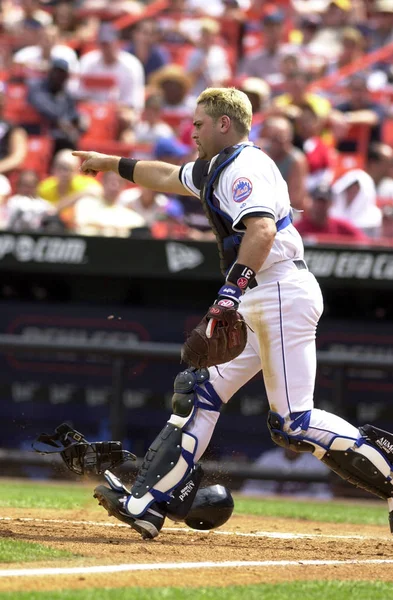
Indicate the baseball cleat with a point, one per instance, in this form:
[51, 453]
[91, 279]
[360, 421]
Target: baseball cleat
[148, 526]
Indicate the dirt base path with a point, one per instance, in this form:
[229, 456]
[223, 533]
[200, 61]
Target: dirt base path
[97, 540]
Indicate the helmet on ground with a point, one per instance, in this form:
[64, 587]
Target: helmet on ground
[212, 507]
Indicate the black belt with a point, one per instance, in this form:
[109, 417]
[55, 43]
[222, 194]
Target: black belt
[299, 264]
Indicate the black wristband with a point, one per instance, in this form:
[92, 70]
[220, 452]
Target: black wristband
[126, 168]
[240, 275]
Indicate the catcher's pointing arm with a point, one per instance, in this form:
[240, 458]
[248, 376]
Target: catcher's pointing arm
[152, 174]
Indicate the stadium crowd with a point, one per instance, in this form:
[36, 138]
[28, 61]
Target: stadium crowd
[122, 78]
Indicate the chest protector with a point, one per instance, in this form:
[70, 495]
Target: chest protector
[228, 241]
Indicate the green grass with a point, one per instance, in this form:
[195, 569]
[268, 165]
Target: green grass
[328, 512]
[36, 495]
[31, 494]
[19, 551]
[306, 590]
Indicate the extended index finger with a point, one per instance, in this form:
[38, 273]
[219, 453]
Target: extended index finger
[81, 153]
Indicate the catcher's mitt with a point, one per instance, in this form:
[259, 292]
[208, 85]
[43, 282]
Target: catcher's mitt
[227, 341]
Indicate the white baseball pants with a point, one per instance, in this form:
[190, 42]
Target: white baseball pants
[283, 313]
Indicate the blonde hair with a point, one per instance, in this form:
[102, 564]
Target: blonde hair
[230, 102]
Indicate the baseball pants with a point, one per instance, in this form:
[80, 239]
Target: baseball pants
[282, 313]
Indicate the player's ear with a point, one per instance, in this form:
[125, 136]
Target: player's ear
[225, 123]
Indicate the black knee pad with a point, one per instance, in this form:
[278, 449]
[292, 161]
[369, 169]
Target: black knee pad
[184, 398]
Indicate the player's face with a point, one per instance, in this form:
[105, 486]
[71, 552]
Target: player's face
[205, 134]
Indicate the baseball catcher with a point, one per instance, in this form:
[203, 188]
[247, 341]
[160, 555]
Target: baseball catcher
[267, 281]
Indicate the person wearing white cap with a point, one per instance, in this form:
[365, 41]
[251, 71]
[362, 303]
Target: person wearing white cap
[355, 199]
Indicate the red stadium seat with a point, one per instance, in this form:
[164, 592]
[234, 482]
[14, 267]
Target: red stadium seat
[39, 154]
[17, 109]
[387, 132]
[102, 120]
[344, 162]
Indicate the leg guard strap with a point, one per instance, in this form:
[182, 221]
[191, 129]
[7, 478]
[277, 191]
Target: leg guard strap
[280, 437]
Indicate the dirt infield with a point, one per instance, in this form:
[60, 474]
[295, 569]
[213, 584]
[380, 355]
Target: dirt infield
[98, 540]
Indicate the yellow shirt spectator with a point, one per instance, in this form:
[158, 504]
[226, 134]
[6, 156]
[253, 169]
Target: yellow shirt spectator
[320, 106]
[49, 188]
[66, 185]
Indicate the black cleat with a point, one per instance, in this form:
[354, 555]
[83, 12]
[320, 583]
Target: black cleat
[148, 525]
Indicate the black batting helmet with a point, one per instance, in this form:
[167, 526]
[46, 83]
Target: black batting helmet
[212, 507]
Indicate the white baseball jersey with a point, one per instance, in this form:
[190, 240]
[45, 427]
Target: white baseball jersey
[252, 185]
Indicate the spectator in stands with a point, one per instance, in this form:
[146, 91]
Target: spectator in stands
[50, 98]
[150, 205]
[13, 139]
[127, 71]
[276, 141]
[151, 126]
[355, 199]
[352, 48]
[175, 85]
[267, 62]
[318, 154]
[258, 92]
[360, 109]
[285, 461]
[26, 210]
[66, 185]
[309, 26]
[144, 45]
[208, 64]
[103, 214]
[327, 40]
[382, 29]
[71, 26]
[49, 47]
[296, 96]
[317, 220]
[171, 150]
[380, 168]
[26, 19]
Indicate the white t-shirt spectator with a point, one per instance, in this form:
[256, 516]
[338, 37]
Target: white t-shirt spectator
[94, 217]
[31, 56]
[128, 73]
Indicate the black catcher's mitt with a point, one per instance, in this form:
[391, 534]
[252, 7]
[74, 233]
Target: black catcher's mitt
[227, 341]
[80, 456]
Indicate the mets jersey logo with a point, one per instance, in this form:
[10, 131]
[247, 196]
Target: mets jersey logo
[241, 189]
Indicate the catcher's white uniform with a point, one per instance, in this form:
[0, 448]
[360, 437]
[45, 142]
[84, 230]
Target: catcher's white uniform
[282, 310]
